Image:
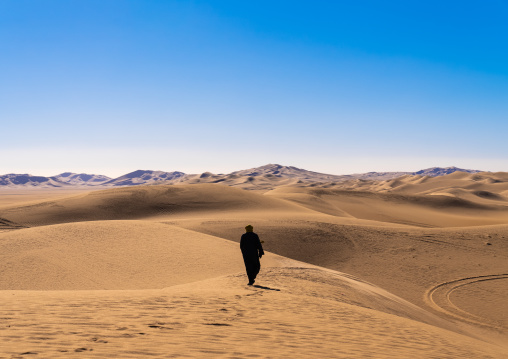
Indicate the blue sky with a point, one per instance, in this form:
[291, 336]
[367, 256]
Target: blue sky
[331, 86]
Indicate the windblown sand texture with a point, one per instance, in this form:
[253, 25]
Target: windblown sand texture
[413, 267]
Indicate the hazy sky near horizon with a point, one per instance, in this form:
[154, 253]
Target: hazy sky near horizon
[332, 86]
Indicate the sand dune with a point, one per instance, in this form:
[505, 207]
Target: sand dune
[144, 202]
[405, 260]
[446, 208]
[156, 271]
[134, 254]
[27, 196]
[422, 185]
[419, 210]
[148, 255]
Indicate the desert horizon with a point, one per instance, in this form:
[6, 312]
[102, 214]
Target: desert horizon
[270, 171]
[253, 179]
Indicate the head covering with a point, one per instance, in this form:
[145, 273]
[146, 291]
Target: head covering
[249, 228]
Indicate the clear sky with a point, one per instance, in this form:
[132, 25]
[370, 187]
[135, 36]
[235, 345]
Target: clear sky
[111, 86]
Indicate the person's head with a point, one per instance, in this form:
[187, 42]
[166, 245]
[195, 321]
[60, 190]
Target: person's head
[249, 228]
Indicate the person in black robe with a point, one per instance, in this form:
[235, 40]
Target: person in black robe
[251, 251]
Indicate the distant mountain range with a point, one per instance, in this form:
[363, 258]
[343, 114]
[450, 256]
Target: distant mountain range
[27, 180]
[80, 179]
[143, 177]
[271, 173]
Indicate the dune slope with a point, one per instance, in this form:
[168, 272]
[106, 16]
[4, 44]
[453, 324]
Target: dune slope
[143, 202]
[296, 312]
[113, 255]
[416, 210]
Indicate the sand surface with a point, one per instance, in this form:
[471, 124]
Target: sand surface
[155, 271]
[295, 313]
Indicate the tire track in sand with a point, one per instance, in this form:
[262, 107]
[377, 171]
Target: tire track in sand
[438, 297]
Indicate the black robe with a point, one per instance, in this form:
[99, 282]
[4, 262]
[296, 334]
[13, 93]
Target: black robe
[251, 251]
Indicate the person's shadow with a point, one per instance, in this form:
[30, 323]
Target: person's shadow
[266, 288]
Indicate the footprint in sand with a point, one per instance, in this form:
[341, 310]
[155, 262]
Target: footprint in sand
[97, 340]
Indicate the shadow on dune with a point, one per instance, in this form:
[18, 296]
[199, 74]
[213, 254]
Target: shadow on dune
[266, 288]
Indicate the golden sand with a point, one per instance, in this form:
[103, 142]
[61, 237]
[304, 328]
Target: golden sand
[415, 267]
